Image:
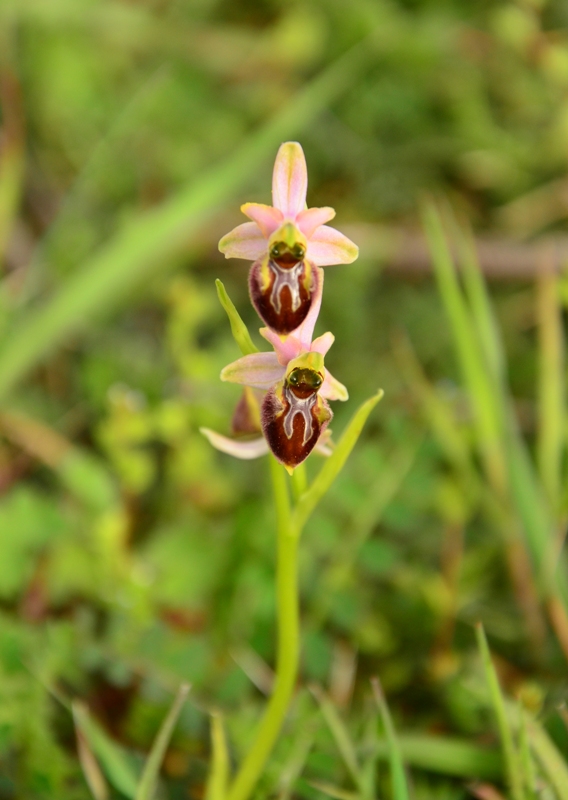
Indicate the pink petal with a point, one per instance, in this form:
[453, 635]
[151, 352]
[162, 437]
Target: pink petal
[305, 331]
[267, 218]
[244, 241]
[332, 389]
[310, 219]
[323, 343]
[286, 349]
[260, 370]
[245, 449]
[328, 246]
[290, 180]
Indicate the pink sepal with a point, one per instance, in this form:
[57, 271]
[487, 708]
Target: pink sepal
[246, 449]
[244, 241]
[259, 370]
[290, 180]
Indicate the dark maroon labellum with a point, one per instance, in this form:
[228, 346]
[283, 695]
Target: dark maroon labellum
[294, 416]
[282, 290]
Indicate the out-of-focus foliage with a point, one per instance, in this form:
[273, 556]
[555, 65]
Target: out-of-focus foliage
[133, 557]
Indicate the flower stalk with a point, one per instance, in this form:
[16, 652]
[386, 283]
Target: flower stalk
[288, 642]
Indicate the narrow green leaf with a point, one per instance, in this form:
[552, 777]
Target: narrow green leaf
[503, 449]
[112, 758]
[147, 786]
[551, 378]
[437, 411]
[483, 393]
[91, 770]
[336, 792]
[13, 151]
[295, 762]
[551, 761]
[339, 570]
[238, 327]
[398, 776]
[526, 758]
[510, 755]
[146, 242]
[12, 163]
[446, 756]
[339, 733]
[479, 302]
[219, 770]
[334, 464]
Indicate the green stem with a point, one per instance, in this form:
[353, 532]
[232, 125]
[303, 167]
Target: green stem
[288, 644]
[299, 481]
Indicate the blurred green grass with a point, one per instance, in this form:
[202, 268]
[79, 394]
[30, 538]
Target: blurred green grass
[135, 558]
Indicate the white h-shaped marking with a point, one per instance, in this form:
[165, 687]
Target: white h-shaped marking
[285, 277]
[303, 407]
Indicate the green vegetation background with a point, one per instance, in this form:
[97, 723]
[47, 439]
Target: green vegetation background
[134, 557]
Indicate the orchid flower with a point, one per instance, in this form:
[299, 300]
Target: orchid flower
[289, 243]
[294, 414]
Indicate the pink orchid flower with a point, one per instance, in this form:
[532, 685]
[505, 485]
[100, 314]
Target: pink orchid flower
[289, 243]
[294, 414]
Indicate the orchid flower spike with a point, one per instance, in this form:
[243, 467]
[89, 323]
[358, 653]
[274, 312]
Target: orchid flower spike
[288, 243]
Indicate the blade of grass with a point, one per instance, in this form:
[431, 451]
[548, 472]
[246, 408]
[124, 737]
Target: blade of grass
[147, 786]
[447, 756]
[298, 756]
[219, 771]
[482, 392]
[551, 400]
[526, 494]
[334, 464]
[521, 478]
[509, 752]
[239, 330]
[526, 759]
[398, 776]
[370, 759]
[111, 756]
[379, 494]
[91, 770]
[476, 292]
[143, 243]
[437, 411]
[333, 791]
[551, 761]
[511, 472]
[12, 153]
[340, 735]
